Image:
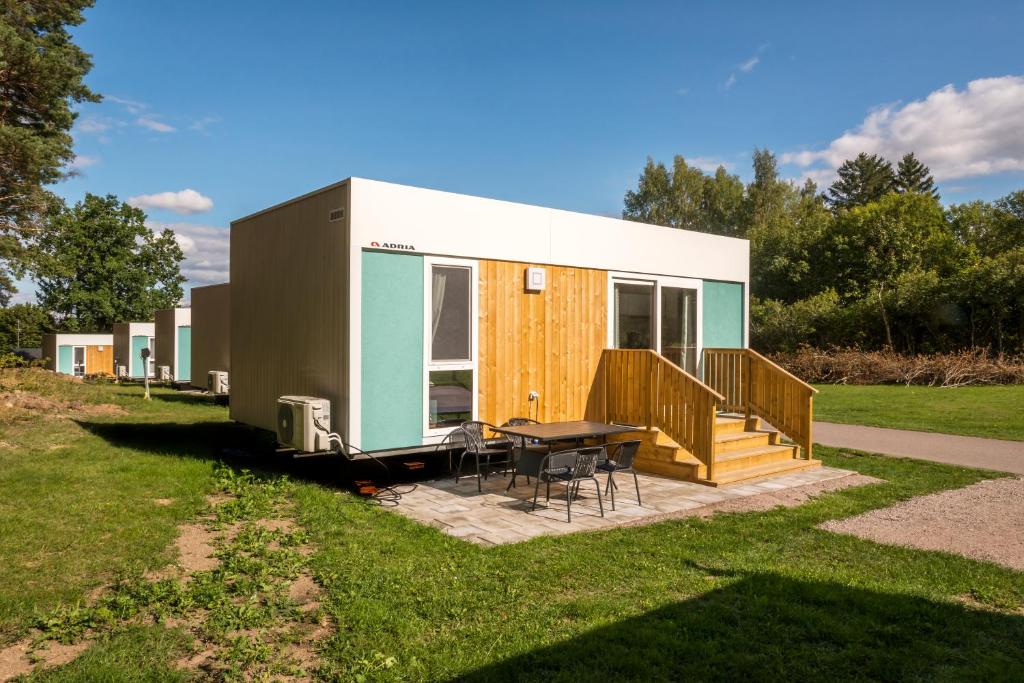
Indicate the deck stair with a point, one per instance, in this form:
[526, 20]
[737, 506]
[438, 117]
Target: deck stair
[745, 450]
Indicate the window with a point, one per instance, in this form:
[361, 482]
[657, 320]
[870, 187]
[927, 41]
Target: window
[151, 361]
[634, 315]
[661, 313]
[450, 354]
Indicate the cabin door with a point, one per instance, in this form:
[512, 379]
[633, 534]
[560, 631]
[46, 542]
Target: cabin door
[78, 362]
[659, 313]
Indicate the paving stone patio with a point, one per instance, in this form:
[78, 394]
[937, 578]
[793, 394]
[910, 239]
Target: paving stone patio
[495, 516]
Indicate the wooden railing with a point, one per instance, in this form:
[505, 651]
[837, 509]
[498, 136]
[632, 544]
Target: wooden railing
[755, 386]
[641, 387]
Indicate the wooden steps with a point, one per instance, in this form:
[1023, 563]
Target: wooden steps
[744, 451]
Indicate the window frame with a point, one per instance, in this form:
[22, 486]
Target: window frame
[659, 281]
[436, 434]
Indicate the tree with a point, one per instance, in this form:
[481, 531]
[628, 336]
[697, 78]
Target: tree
[670, 198]
[722, 204]
[41, 74]
[97, 263]
[861, 181]
[23, 325]
[869, 247]
[765, 202]
[913, 176]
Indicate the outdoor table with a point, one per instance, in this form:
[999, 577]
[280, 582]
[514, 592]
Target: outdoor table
[528, 463]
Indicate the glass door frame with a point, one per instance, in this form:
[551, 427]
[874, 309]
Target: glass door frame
[85, 362]
[433, 435]
[657, 282]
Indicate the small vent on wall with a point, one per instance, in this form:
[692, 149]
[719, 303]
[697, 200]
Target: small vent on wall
[336, 215]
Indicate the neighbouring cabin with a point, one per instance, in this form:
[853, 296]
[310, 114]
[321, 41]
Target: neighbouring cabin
[79, 354]
[413, 310]
[174, 343]
[129, 341]
[211, 331]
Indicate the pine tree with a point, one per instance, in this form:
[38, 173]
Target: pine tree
[913, 176]
[861, 181]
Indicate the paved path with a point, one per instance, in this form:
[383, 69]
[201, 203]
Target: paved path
[969, 451]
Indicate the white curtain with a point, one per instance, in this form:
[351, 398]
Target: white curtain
[437, 297]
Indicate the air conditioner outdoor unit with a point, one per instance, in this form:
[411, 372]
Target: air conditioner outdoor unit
[217, 382]
[164, 373]
[303, 423]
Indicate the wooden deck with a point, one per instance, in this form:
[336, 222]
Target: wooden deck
[711, 433]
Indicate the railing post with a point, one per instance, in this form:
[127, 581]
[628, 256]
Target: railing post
[710, 454]
[747, 382]
[810, 427]
[606, 358]
[652, 381]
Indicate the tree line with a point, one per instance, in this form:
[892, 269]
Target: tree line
[96, 262]
[874, 261]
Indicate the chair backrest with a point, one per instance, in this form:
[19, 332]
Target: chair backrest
[560, 460]
[626, 452]
[586, 462]
[517, 441]
[473, 431]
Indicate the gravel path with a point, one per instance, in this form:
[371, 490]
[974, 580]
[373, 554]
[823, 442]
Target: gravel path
[969, 451]
[984, 521]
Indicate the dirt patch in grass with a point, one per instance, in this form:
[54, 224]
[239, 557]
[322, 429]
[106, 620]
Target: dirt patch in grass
[984, 521]
[17, 403]
[14, 660]
[196, 548]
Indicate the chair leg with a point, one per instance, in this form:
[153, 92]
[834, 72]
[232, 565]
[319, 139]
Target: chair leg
[611, 488]
[479, 489]
[568, 503]
[536, 490]
[600, 505]
[637, 482]
[547, 493]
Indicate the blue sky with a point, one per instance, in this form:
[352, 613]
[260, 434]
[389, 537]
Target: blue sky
[557, 104]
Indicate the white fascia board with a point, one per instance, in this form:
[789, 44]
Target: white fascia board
[412, 219]
[75, 339]
[147, 329]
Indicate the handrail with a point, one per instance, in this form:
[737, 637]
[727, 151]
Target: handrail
[755, 385]
[643, 387]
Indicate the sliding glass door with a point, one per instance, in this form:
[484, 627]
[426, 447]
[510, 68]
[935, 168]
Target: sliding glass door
[659, 314]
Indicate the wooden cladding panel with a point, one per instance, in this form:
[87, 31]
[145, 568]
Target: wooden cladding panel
[99, 362]
[549, 342]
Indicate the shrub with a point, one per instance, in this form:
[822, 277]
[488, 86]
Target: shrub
[853, 366]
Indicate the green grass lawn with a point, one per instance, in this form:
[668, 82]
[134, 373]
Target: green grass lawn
[759, 596]
[996, 412]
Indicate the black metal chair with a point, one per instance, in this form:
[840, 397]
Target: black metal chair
[518, 441]
[621, 455]
[571, 467]
[483, 450]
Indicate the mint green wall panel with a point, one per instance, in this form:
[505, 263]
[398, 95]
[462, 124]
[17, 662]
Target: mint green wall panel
[183, 372]
[65, 359]
[138, 343]
[392, 351]
[723, 314]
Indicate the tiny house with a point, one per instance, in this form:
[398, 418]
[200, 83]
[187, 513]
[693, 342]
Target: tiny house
[174, 343]
[129, 341]
[211, 331]
[412, 310]
[79, 354]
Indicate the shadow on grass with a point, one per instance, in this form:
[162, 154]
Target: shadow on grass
[767, 627]
[240, 446]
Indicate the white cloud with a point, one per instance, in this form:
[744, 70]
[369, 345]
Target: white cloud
[207, 251]
[745, 66]
[93, 124]
[83, 161]
[710, 164]
[976, 131]
[200, 125]
[185, 202]
[131, 106]
[154, 125]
